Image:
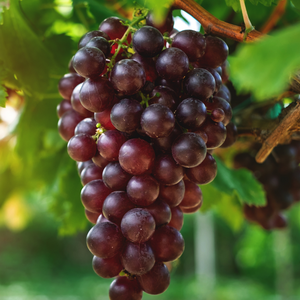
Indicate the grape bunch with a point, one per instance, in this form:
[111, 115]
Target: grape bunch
[280, 177]
[143, 108]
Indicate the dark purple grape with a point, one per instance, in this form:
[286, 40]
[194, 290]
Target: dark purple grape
[109, 144]
[191, 210]
[165, 26]
[62, 107]
[160, 211]
[67, 124]
[82, 147]
[224, 93]
[136, 156]
[107, 267]
[172, 194]
[101, 43]
[86, 126]
[127, 76]
[96, 95]
[205, 172]
[123, 288]
[167, 244]
[93, 195]
[105, 240]
[137, 225]
[137, 259]
[193, 43]
[231, 135]
[156, 281]
[148, 65]
[81, 165]
[164, 144]
[90, 35]
[216, 133]
[68, 83]
[142, 190]
[103, 118]
[216, 52]
[70, 66]
[102, 219]
[113, 27]
[99, 160]
[91, 172]
[192, 196]
[148, 41]
[115, 177]
[217, 76]
[217, 115]
[125, 115]
[217, 102]
[89, 62]
[165, 96]
[157, 121]
[189, 150]
[199, 83]
[172, 64]
[166, 170]
[174, 85]
[91, 216]
[76, 104]
[177, 218]
[116, 205]
[191, 113]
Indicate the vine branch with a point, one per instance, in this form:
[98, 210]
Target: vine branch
[213, 25]
[282, 132]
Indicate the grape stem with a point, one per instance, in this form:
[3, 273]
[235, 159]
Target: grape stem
[282, 132]
[248, 25]
[125, 36]
[213, 25]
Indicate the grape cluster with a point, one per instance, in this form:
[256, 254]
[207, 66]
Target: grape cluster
[142, 128]
[280, 177]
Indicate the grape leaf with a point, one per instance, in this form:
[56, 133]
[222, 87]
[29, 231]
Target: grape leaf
[64, 197]
[240, 182]
[296, 3]
[235, 4]
[227, 206]
[24, 54]
[264, 68]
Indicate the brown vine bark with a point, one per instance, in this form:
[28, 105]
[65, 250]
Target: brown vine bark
[213, 25]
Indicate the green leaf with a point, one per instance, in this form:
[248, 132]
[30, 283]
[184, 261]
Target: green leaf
[227, 206]
[24, 54]
[63, 197]
[235, 4]
[264, 68]
[240, 183]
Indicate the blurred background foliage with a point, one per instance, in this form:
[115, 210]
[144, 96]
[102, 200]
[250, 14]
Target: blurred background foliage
[40, 188]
